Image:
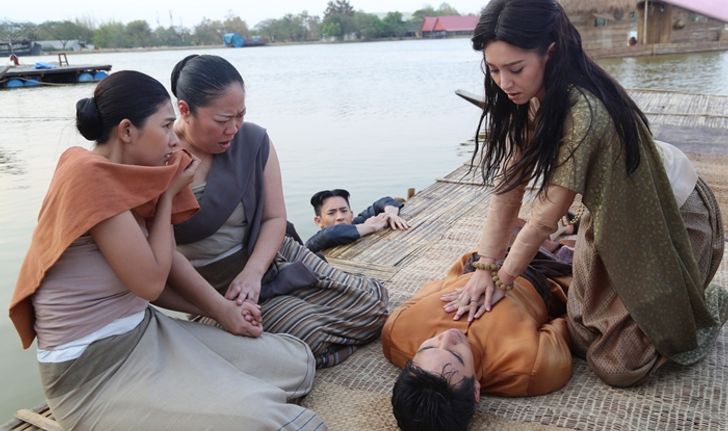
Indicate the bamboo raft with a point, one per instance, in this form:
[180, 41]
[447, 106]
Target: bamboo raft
[446, 219]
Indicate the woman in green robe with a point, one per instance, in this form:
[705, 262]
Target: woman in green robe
[651, 236]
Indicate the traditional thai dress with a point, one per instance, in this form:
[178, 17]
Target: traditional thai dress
[643, 261]
[107, 359]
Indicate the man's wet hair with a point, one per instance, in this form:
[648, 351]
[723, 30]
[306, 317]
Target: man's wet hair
[426, 401]
[317, 200]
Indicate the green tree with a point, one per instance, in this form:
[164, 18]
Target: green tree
[18, 30]
[393, 25]
[420, 14]
[138, 34]
[208, 32]
[110, 35]
[171, 36]
[331, 29]
[234, 24]
[445, 9]
[415, 23]
[312, 24]
[64, 31]
[338, 19]
[290, 28]
[338, 7]
[367, 26]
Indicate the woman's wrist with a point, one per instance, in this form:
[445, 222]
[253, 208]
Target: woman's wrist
[495, 272]
[485, 259]
[505, 277]
[252, 270]
[165, 199]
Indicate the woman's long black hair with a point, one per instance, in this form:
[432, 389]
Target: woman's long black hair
[534, 25]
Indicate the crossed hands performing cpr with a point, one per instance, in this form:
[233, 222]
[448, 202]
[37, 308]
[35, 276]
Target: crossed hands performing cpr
[477, 296]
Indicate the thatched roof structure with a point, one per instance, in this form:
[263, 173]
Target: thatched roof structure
[581, 6]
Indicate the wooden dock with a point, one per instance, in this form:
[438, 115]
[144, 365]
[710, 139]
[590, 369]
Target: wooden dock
[446, 220]
[650, 49]
[51, 73]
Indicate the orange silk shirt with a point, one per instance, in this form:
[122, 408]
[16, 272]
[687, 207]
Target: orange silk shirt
[518, 350]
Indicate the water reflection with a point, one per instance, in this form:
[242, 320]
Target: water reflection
[698, 73]
[10, 164]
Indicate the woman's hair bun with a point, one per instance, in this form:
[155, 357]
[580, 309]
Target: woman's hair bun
[88, 119]
[177, 70]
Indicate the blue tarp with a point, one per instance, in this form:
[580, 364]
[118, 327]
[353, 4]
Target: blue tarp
[233, 40]
[42, 65]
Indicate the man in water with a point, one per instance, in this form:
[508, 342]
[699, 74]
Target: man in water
[339, 226]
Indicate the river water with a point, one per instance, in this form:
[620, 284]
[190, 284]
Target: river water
[374, 118]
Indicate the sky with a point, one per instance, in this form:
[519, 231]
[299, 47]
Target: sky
[189, 13]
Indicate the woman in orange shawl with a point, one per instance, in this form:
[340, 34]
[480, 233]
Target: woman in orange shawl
[103, 249]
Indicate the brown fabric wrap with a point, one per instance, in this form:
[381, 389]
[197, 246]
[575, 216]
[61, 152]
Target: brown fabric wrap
[85, 190]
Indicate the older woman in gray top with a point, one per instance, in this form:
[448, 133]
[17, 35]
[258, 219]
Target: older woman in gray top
[237, 241]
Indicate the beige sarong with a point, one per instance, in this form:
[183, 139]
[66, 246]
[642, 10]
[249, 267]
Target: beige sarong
[169, 374]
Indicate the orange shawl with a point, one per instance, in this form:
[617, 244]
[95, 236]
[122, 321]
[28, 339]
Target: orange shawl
[87, 189]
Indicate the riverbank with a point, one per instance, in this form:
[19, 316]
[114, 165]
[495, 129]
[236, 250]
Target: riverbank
[220, 46]
[649, 50]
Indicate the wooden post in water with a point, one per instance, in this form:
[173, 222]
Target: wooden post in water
[410, 192]
[644, 30]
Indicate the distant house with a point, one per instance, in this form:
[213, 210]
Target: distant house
[444, 26]
[603, 25]
[680, 21]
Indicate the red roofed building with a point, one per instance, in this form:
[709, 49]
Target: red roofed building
[444, 26]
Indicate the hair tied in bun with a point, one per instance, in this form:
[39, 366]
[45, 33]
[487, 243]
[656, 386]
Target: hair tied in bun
[88, 119]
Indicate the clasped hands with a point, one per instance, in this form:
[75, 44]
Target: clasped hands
[475, 298]
[242, 314]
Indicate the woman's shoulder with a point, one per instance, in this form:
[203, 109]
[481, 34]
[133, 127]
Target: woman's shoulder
[249, 129]
[587, 115]
[75, 154]
[584, 100]
[78, 163]
[252, 142]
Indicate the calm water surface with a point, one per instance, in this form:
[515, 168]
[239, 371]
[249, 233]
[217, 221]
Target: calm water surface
[375, 118]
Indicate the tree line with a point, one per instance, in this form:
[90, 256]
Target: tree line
[340, 22]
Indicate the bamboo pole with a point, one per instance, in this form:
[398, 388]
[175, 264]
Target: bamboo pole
[35, 419]
[644, 30]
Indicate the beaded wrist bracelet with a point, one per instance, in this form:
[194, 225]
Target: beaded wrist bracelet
[493, 269]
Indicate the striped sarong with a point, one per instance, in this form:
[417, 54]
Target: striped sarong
[334, 316]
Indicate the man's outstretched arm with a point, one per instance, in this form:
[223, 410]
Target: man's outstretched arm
[377, 208]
